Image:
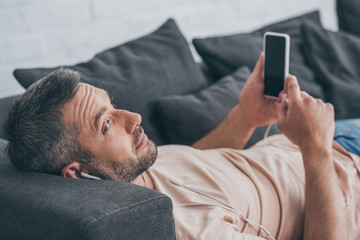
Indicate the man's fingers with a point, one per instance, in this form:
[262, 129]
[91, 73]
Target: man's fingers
[259, 68]
[292, 87]
[281, 110]
[262, 64]
[283, 95]
[304, 94]
[330, 107]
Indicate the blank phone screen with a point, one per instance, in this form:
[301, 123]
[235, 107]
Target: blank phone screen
[274, 65]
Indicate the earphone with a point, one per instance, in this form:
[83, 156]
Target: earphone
[224, 205]
[86, 175]
[267, 134]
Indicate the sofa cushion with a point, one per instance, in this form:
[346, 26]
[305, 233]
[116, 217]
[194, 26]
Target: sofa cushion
[224, 54]
[43, 206]
[335, 58]
[187, 118]
[348, 12]
[136, 73]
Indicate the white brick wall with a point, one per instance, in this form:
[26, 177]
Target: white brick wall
[35, 33]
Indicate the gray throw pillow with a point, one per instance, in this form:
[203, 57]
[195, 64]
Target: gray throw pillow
[224, 54]
[187, 118]
[335, 57]
[348, 12]
[137, 73]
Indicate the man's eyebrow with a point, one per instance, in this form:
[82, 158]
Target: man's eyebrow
[98, 116]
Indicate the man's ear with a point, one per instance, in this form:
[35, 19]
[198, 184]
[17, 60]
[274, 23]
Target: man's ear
[72, 170]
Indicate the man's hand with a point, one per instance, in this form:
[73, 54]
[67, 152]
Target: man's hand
[309, 123]
[306, 121]
[259, 109]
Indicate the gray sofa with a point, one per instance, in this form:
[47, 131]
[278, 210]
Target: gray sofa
[43, 206]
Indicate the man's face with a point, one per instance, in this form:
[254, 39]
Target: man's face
[114, 137]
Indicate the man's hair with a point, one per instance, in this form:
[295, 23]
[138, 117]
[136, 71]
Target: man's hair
[38, 138]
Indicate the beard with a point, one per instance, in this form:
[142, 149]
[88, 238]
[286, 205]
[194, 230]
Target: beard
[128, 169]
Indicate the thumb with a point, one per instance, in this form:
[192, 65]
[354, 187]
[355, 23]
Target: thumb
[281, 110]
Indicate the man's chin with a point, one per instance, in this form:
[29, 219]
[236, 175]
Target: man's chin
[151, 155]
[129, 168]
[148, 159]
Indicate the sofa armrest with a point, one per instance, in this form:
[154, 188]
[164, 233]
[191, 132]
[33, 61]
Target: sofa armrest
[43, 206]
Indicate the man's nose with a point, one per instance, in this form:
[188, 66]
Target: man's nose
[129, 120]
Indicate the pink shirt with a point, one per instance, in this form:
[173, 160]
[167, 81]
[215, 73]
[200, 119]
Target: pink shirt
[266, 184]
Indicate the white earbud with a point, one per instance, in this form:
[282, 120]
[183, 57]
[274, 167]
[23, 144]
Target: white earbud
[85, 175]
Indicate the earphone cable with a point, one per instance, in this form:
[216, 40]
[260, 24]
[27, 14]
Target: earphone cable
[225, 205]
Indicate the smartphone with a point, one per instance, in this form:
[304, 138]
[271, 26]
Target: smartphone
[277, 48]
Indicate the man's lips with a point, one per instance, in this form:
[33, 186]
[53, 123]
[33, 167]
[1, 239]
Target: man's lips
[143, 141]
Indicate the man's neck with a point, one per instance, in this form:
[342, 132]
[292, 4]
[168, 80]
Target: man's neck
[139, 181]
[144, 180]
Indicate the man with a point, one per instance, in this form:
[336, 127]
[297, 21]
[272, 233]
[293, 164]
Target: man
[313, 193]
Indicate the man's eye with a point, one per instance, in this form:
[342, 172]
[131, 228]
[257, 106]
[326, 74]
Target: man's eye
[106, 127]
